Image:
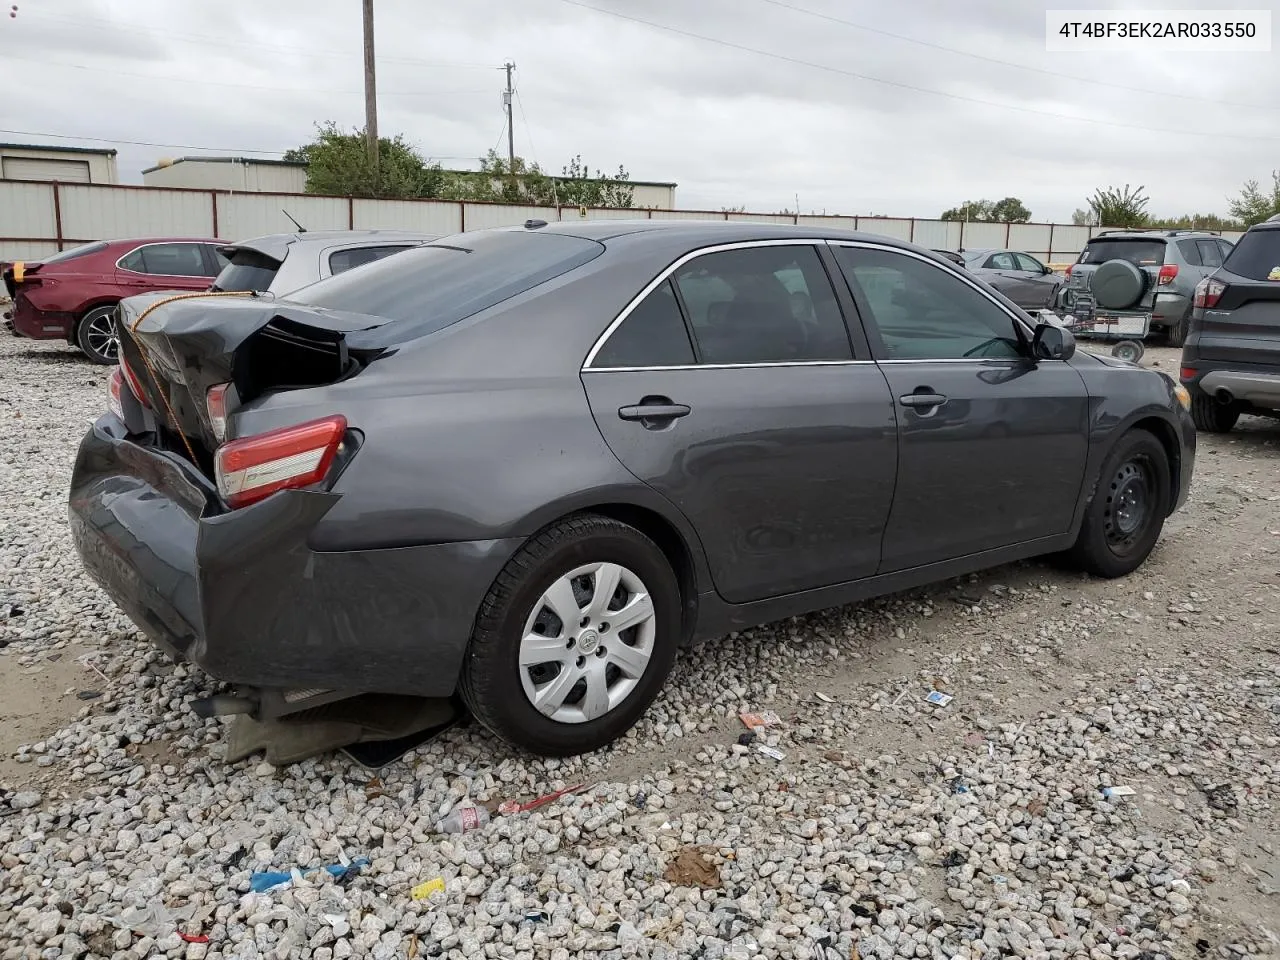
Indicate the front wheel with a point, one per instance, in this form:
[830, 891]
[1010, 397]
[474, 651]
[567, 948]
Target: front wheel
[1123, 520]
[574, 639]
[96, 335]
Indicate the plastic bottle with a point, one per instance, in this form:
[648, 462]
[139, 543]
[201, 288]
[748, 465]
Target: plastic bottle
[462, 819]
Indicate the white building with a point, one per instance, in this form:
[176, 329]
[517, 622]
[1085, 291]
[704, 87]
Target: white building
[246, 175]
[31, 161]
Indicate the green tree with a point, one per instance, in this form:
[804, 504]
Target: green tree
[498, 180]
[1115, 207]
[1254, 204]
[970, 210]
[338, 164]
[1084, 218]
[1010, 210]
[1195, 221]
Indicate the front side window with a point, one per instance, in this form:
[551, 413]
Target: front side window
[768, 304]
[924, 313]
[1028, 263]
[173, 259]
[652, 335]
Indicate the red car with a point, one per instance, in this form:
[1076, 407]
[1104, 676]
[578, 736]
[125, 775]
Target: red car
[73, 295]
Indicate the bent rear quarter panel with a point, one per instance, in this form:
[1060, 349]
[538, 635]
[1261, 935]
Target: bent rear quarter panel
[481, 431]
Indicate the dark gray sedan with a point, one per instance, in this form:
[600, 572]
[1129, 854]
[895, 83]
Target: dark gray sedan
[529, 464]
[1019, 276]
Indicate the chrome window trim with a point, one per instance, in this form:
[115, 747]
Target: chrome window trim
[789, 242]
[672, 268]
[949, 273]
[165, 243]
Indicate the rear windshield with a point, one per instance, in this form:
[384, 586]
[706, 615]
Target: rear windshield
[1139, 252]
[1256, 255]
[247, 270]
[450, 279]
[74, 252]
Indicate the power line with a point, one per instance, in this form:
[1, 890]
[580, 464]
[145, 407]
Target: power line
[242, 86]
[1009, 63]
[151, 143]
[1217, 135]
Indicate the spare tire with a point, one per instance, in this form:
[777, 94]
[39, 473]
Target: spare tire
[1118, 284]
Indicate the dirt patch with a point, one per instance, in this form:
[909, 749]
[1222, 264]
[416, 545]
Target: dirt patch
[34, 702]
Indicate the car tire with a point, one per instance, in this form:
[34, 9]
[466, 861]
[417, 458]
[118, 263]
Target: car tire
[1213, 417]
[95, 335]
[1176, 333]
[518, 623]
[1123, 520]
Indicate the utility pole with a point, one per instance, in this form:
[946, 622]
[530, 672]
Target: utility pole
[511, 130]
[370, 87]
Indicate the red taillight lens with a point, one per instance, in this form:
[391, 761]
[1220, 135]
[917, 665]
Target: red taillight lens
[1069, 266]
[216, 399]
[135, 385]
[1208, 293]
[1167, 273]
[1187, 373]
[115, 388]
[253, 468]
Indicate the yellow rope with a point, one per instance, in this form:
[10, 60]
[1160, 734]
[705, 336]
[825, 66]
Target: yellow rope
[142, 352]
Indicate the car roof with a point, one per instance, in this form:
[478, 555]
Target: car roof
[1152, 234]
[695, 233]
[276, 245]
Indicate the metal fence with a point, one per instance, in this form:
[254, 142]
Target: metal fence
[38, 219]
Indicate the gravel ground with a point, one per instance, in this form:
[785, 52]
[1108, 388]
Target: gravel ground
[890, 827]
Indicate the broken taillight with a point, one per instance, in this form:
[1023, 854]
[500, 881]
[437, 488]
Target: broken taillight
[115, 398]
[250, 469]
[131, 378]
[1208, 293]
[216, 399]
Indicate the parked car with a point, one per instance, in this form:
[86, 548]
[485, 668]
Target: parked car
[1019, 276]
[72, 295]
[1149, 275]
[951, 255]
[283, 262]
[1231, 360]
[528, 464]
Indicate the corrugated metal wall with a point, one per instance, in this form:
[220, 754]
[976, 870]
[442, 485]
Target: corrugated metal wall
[37, 219]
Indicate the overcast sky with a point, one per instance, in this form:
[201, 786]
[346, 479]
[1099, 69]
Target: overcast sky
[731, 126]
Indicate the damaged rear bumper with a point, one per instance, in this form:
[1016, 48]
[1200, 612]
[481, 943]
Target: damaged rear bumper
[243, 595]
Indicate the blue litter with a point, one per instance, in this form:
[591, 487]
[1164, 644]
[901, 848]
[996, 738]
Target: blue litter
[261, 882]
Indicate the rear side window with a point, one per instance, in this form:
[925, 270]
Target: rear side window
[134, 262]
[1209, 253]
[247, 270]
[173, 259]
[340, 261]
[74, 252]
[769, 304]
[1190, 252]
[652, 335]
[1140, 252]
[446, 281]
[1256, 255]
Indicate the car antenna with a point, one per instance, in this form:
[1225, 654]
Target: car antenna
[301, 228]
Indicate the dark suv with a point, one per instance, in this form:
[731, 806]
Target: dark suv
[1146, 274]
[1231, 360]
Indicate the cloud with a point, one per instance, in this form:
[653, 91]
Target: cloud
[732, 127]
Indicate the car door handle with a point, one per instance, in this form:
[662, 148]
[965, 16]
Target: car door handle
[662, 409]
[920, 399]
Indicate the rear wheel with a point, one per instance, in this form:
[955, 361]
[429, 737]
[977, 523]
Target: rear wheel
[96, 335]
[1213, 417]
[1176, 332]
[1123, 520]
[575, 638]
[1128, 350]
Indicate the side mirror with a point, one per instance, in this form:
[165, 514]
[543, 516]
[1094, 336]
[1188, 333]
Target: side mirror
[1046, 270]
[1052, 342]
